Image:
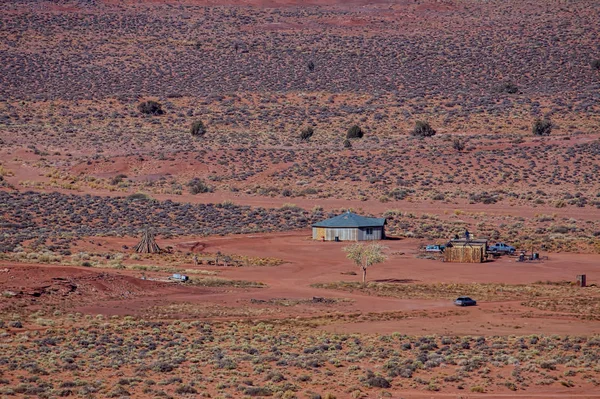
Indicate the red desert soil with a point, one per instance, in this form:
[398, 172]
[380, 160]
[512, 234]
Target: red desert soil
[307, 262]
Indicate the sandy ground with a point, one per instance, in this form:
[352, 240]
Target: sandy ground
[308, 262]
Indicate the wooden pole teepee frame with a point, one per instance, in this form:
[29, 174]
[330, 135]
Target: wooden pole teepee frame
[147, 245]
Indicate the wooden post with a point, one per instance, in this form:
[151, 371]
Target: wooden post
[581, 280]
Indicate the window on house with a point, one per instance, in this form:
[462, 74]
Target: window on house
[369, 231]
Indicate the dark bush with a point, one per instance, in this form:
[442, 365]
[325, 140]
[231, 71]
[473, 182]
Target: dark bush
[423, 129]
[509, 88]
[347, 144]
[458, 144]
[596, 64]
[355, 132]
[311, 66]
[399, 194]
[483, 197]
[163, 367]
[15, 324]
[542, 127]
[118, 179]
[150, 108]
[307, 133]
[257, 391]
[198, 128]
[560, 229]
[376, 381]
[118, 392]
[197, 186]
[185, 389]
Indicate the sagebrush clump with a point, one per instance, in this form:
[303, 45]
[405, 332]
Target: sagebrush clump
[151, 108]
[198, 186]
[307, 133]
[198, 129]
[355, 132]
[423, 129]
[542, 127]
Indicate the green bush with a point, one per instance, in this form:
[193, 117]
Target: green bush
[423, 129]
[198, 128]
[542, 127]
[355, 132]
[150, 108]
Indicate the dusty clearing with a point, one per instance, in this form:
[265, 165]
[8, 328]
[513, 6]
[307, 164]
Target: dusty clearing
[192, 118]
[421, 341]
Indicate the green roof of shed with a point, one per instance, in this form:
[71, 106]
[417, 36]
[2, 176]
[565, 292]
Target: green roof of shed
[350, 220]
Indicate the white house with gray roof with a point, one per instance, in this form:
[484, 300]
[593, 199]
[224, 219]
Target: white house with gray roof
[349, 227]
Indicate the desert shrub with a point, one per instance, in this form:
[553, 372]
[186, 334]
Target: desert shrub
[484, 197]
[307, 133]
[163, 367]
[198, 129]
[150, 108]
[596, 64]
[311, 66]
[376, 381]
[542, 127]
[197, 186]
[118, 392]
[257, 391]
[138, 197]
[186, 389]
[347, 144]
[560, 204]
[423, 129]
[118, 179]
[355, 132]
[548, 365]
[509, 87]
[399, 194]
[458, 144]
[560, 229]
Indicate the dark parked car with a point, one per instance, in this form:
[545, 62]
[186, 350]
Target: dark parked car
[465, 301]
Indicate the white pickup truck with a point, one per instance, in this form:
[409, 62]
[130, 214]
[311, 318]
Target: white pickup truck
[501, 247]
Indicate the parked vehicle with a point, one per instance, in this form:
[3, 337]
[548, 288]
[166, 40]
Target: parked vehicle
[435, 248]
[465, 301]
[501, 247]
[179, 277]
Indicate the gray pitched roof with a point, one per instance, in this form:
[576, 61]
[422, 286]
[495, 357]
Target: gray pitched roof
[350, 220]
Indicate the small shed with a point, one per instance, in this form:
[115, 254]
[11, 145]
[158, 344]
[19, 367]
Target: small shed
[466, 251]
[349, 227]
